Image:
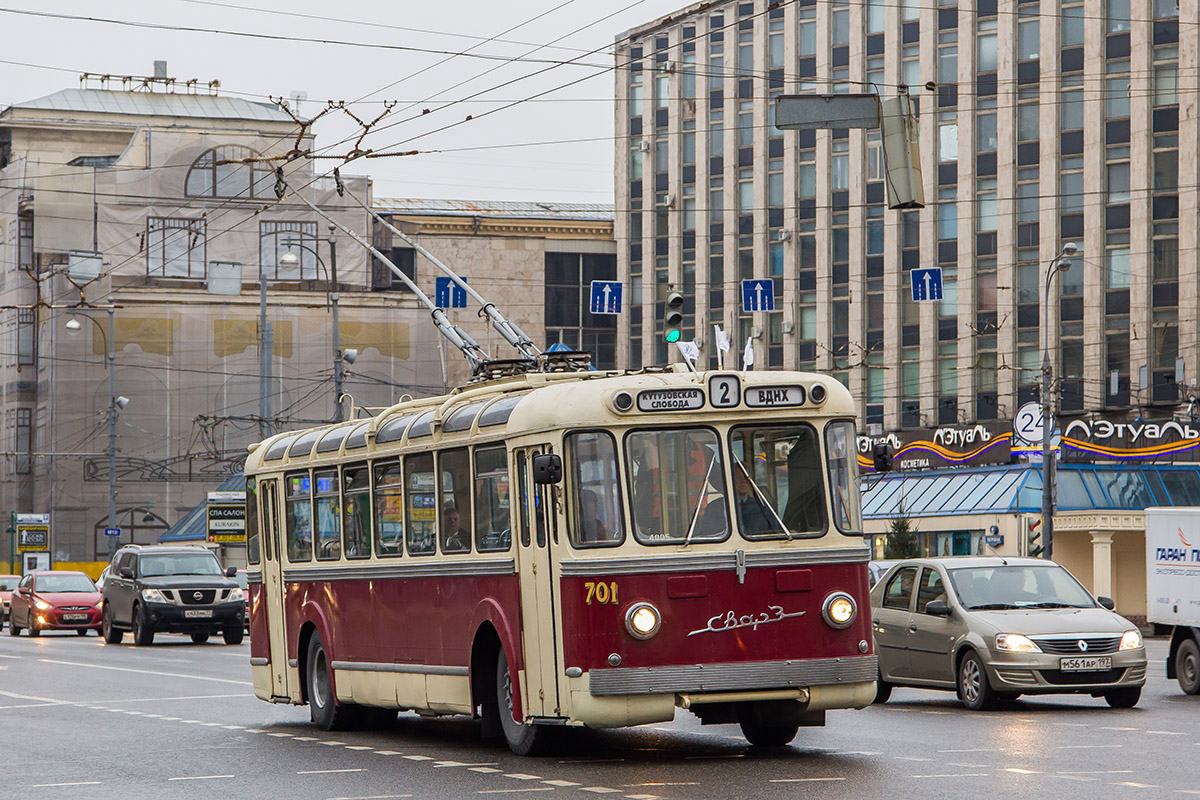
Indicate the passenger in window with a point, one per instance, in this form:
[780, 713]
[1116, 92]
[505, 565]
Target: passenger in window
[753, 515]
[592, 529]
[454, 538]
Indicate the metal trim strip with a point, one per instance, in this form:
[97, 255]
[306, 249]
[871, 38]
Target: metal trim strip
[254, 577]
[504, 566]
[259, 662]
[719, 561]
[733, 676]
[406, 669]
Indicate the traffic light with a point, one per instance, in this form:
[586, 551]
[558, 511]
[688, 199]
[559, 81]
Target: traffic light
[1032, 536]
[673, 322]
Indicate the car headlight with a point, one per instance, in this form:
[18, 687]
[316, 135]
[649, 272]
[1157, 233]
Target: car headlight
[1016, 643]
[236, 596]
[1131, 640]
[42, 605]
[839, 610]
[642, 620]
[154, 596]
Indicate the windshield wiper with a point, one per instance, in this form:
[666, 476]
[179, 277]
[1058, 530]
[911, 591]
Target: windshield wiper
[1049, 604]
[687, 540]
[992, 607]
[763, 499]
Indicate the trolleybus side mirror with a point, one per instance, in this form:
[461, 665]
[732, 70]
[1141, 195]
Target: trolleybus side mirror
[547, 468]
[937, 608]
[881, 455]
[230, 572]
[1107, 602]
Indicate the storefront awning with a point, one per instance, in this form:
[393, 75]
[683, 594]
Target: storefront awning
[1017, 489]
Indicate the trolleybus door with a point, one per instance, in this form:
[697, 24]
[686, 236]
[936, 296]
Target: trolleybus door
[536, 518]
[273, 587]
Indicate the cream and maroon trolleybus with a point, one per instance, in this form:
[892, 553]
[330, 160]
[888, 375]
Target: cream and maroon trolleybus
[576, 548]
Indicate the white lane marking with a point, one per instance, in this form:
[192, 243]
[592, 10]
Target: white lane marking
[200, 777]
[234, 727]
[660, 783]
[331, 744]
[856, 753]
[1096, 772]
[937, 712]
[76, 783]
[561, 784]
[170, 719]
[521, 776]
[382, 752]
[515, 791]
[18, 657]
[642, 796]
[1076, 778]
[1019, 771]
[1166, 733]
[599, 790]
[34, 697]
[358, 747]
[1135, 785]
[911, 758]
[484, 769]
[1073, 724]
[326, 771]
[954, 775]
[418, 758]
[804, 780]
[1116, 728]
[968, 765]
[305, 738]
[279, 735]
[145, 672]
[465, 764]
[210, 724]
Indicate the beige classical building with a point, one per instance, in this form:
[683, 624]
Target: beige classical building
[158, 204]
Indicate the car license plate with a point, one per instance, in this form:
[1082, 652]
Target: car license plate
[198, 612]
[1088, 664]
[74, 617]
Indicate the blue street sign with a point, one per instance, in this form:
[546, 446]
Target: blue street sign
[606, 297]
[927, 284]
[448, 294]
[758, 295]
[112, 531]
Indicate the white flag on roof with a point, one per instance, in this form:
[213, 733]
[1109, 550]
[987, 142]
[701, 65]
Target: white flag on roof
[748, 355]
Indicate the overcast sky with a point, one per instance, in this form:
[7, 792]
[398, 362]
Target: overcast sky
[581, 172]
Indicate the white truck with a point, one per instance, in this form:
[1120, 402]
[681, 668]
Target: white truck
[1173, 588]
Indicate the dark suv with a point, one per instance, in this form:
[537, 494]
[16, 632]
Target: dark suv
[178, 589]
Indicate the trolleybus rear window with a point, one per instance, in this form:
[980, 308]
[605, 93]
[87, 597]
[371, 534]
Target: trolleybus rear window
[299, 517]
[779, 490]
[677, 481]
[493, 503]
[596, 519]
[389, 510]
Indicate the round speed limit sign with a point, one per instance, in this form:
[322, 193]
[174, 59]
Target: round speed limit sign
[1028, 424]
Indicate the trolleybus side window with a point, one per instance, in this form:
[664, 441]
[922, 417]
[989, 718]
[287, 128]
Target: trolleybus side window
[421, 508]
[454, 500]
[252, 535]
[299, 517]
[356, 511]
[523, 498]
[389, 510]
[779, 488]
[677, 480]
[595, 508]
[270, 517]
[329, 524]
[843, 477]
[492, 500]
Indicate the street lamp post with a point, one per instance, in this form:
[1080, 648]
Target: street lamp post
[115, 404]
[331, 292]
[1062, 263]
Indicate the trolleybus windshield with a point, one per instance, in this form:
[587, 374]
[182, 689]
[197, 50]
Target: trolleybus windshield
[677, 486]
[777, 478]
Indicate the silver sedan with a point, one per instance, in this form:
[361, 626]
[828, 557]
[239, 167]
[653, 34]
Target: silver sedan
[995, 628]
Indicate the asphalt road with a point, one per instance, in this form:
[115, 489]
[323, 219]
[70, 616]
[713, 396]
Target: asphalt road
[79, 719]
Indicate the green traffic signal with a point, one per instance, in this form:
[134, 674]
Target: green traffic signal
[673, 320]
[672, 336]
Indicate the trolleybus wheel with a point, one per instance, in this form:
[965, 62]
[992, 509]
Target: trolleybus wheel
[111, 634]
[323, 706]
[883, 690]
[768, 734]
[524, 740]
[1187, 666]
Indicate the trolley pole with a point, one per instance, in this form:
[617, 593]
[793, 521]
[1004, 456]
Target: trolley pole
[339, 371]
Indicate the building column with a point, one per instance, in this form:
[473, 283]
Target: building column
[1102, 563]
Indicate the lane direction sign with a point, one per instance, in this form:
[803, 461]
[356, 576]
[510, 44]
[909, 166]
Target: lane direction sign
[758, 295]
[449, 294]
[606, 297]
[927, 284]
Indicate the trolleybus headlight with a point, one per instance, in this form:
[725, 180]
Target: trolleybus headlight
[817, 393]
[642, 620]
[839, 610]
[623, 401]
[1131, 640]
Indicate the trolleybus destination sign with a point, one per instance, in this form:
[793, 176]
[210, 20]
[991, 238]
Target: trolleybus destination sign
[670, 400]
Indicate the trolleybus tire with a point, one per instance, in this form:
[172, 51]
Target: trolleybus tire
[233, 635]
[769, 734]
[111, 633]
[974, 689]
[1187, 666]
[322, 704]
[199, 638]
[1126, 697]
[883, 690]
[523, 740]
[143, 633]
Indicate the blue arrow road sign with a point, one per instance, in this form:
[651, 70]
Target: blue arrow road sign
[449, 294]
[927, 284]
[758, 295]
[606, 297]
[112, 531]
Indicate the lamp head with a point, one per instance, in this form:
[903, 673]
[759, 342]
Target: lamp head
[121, 401]
[350, 355]
[73, 326]
[1070, 249]
[289, 259]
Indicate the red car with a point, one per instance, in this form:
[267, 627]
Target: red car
[57, 600]
[7, 584]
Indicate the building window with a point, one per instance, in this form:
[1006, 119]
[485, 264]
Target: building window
[26, 325]
[384, 280]
[569, 320]
[1071, 184]
[987, 55]
[1116, 90]
[21, 426]
[221, 172]
[947, 214]
[1028, 116]
[25, 258]
[1166, 75]
[807, 42]
[1166, 252]
[1072, 25]
[175, 247]
[1116, 260]
[1028, 35]
[1117, 13]
[1028, 194]
[274, 239]
[1117, 169]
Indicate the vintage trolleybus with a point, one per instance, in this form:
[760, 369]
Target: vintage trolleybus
[580, 548]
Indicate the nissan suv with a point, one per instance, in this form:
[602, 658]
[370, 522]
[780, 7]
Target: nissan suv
[176, 589]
